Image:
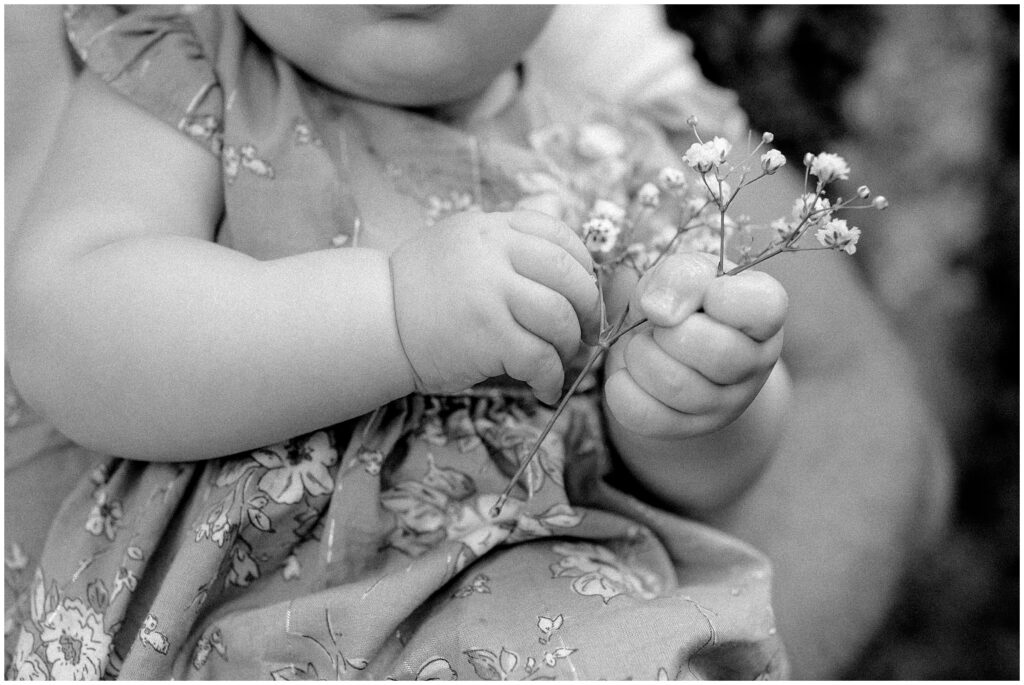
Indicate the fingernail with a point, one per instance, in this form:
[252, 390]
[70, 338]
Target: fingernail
[659, 302]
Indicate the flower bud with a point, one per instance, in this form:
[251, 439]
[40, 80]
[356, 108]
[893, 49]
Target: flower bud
[864, 192]
[691, 121]
[648, 195]
[606, 209]
[808, 159]
[767, 137]
[880, 202]
[600, 235]
[671, 179]
[772, 161]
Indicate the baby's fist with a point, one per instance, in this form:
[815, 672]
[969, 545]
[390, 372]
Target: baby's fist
[711, 346]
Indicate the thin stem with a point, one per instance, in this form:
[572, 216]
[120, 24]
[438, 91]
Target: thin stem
[503, 498]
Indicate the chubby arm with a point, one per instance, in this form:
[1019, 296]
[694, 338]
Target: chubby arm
[139, 336]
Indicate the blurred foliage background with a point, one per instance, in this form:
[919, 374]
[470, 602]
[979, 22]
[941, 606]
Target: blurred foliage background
[924, 101]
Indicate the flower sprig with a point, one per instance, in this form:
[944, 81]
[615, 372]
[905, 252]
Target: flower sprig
[674, 212]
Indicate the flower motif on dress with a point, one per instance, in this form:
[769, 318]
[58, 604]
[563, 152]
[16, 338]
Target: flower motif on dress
[243, 569]
[216, 527]
[597, 571]
[503, 665]
[26, 664]
[104, 517]
[124, 580]
[437, 668]
[548, 626]
[293, 672]
[479, 585]
[296, 467]
[76, 646]
[305, 135]
[234, 159]
[512, 438]
[209, 642]
[151, 637]
[203, 128]
[292, 569]
[372, 460]
[443, 505]
[441, 207]
[560, 515]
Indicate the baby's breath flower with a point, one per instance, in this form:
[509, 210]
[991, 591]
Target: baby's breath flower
[721, 146]
[829, 167]
[704, 156]
[767, 137]
[808, 159]
[783, 228]
[772, 161]
[648, 195]
[672, 179]
[863, 192]
[880, 202]
[600, 235]
[600, 141]
[606, 209]
[813, 206]
[691, 121]
[837, 235]
[700, 157]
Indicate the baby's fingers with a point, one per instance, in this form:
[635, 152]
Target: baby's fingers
[547, 315]
[752, 302]
[551, 266]
[529, 359]
[554, 231]
[721, 353]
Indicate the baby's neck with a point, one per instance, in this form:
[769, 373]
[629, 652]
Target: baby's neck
[483, 107]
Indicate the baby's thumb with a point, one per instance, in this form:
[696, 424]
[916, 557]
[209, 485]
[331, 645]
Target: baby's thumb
[546, 203]
[674, 289]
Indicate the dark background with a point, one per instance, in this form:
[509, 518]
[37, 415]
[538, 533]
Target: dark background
[923, 100]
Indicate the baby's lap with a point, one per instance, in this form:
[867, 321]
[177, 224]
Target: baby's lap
[557, 608]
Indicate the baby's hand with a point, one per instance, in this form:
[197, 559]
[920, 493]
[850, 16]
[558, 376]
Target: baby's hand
[711, 346]
[480, 295]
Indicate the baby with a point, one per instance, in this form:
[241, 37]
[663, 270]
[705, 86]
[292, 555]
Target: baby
[294, 315]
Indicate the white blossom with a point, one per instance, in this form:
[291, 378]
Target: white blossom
[809, 204]
[829, 167]
[671, 179]
[649, 195]
[606, 209]
[772, 161]
[600, 235]
[704, 156]
[837, 235]
[783, 228]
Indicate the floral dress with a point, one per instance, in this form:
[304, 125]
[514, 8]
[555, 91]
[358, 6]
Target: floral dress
[368, 549]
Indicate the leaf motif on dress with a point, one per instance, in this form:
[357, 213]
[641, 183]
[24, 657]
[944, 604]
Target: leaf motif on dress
[485, 663]
[437, 668]
[292, 672]
[97, 595]
[597, 571]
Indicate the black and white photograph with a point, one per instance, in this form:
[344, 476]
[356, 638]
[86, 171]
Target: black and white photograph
[512, 342]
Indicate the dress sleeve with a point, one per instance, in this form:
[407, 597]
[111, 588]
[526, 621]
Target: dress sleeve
[152, 56]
